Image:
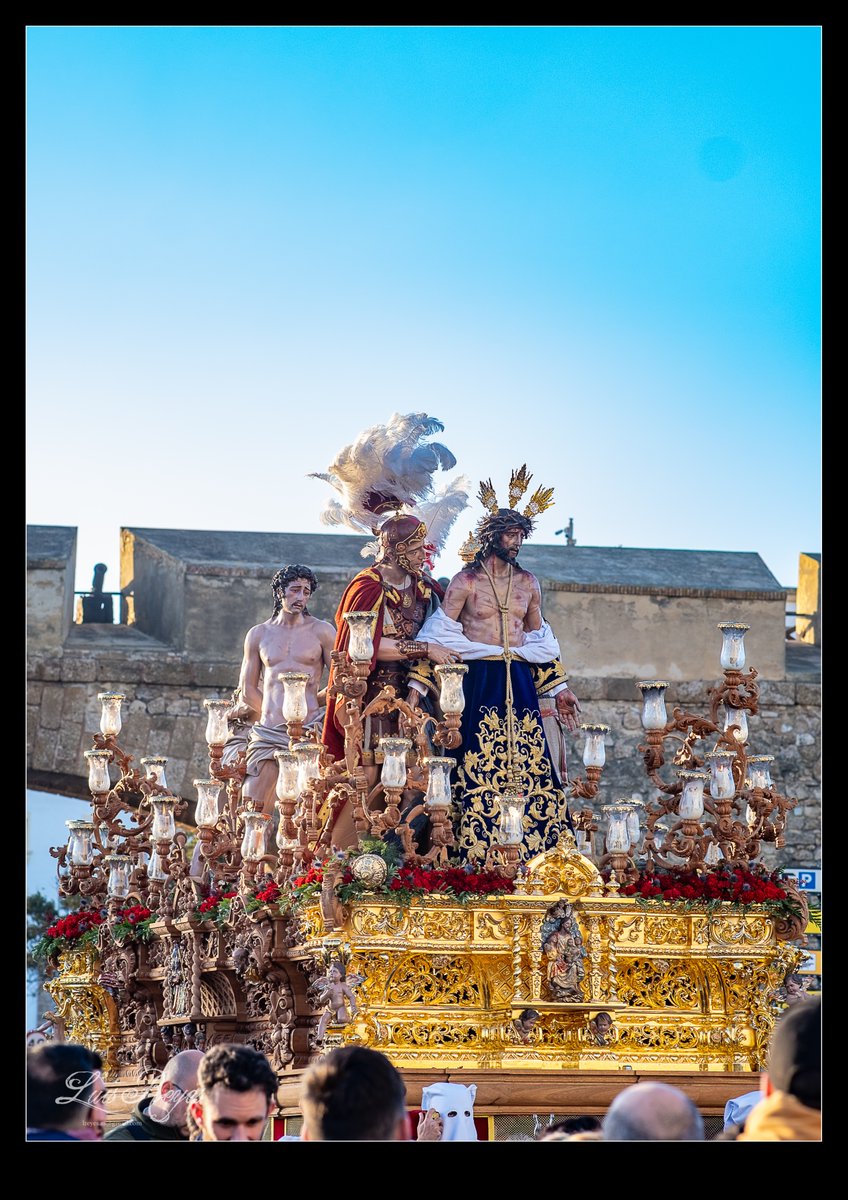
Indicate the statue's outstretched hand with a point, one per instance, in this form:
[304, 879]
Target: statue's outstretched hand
[567, 707]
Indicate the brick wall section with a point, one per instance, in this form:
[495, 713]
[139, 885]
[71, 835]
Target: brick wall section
[164, 714]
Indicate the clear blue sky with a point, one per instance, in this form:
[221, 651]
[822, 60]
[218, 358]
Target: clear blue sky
[593, 249]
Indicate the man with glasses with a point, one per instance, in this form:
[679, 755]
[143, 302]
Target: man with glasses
[162, 1116]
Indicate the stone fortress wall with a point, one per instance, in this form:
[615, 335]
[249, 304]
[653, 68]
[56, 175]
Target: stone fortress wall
[621, 615]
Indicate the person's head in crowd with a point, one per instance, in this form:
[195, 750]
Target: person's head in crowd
[235, 1097]
[652, 1112]
[66, 1095]
[454, 1102]
[175, 1089]
[794, 1057]
[568, 1126]
[353, 1094]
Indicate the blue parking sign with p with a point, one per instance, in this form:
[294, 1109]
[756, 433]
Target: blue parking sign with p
[807, 880]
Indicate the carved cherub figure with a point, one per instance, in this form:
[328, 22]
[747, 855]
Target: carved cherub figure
[600, 1029]
[335, 992]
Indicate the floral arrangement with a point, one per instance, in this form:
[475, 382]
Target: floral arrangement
[133, 924]
[409, 883]
[216, 907]
[75, 930]
[737, 886]
[403, 884]
[304, 888]
[270, 894]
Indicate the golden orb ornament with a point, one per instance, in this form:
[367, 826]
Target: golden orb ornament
[370, 870]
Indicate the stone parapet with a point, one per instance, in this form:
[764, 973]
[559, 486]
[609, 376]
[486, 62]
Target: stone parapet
[164, 714]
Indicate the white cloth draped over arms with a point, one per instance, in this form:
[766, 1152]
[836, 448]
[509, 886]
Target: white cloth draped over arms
[539, 645]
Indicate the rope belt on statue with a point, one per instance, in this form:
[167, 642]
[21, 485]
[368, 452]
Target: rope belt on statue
[503, 606]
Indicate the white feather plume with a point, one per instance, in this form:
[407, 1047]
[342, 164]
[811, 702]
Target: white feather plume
[393, 461]
[440, 513]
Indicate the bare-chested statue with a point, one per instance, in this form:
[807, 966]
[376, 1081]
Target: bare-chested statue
[290, 640]
[492, 618]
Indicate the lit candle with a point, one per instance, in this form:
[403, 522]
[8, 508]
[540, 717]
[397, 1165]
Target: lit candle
[722, 786]
[164, 827]
[758, 771]
[511, 821]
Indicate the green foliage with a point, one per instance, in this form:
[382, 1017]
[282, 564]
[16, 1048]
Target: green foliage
[41, 913]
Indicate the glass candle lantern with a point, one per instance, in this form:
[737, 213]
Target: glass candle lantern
[164, 826]
[713, 855]
[307, 755]
[295, 704]
[634, 830]
[119, 875]
[451, 696]
[80, 833]
[594, 754]
[750, 816]
[108, 841]
[739, 718]
[720, 762]
[733, 645]
[142, 858]
[208, 794]
[155, 766]
[98, 771]
[617, 839]
[287, 771]
[438, 783]
[581, 838]
[360, 647]
[395, 750]
[217, 729]
[284, 843]
[654, 715]
[691, 804]
[253, 842]
[110, 715]
[156, 868]
[511, 820]
[758, 771]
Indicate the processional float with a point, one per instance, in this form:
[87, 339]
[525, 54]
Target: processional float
[240, 928]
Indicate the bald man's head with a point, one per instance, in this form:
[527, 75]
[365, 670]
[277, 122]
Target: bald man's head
[182, 1069]
[176, 1084]
[653, 1112]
